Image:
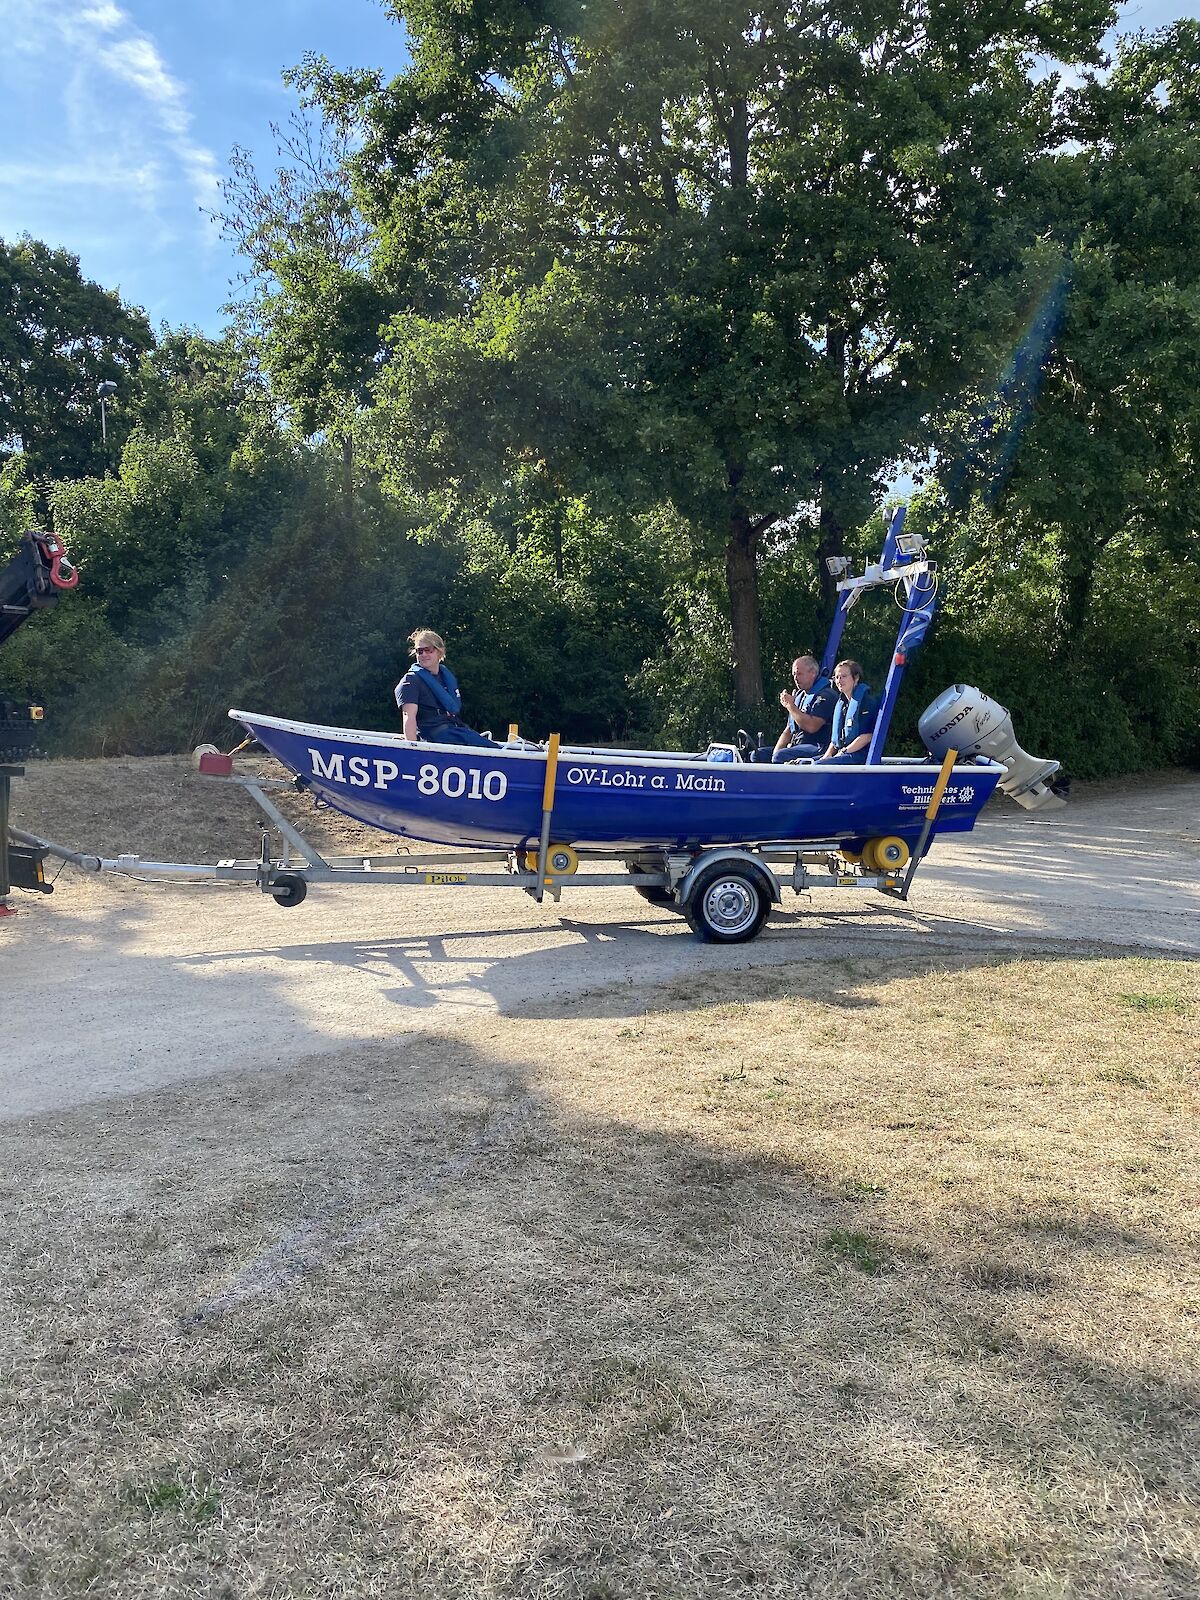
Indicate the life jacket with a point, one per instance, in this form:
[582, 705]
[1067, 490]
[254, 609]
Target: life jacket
[804, 700]
[443, 686]
[845, 718]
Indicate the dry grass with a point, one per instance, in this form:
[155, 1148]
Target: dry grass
[160, 808]
[854, 1280]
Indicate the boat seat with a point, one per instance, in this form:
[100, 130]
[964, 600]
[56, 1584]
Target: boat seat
[722, 752]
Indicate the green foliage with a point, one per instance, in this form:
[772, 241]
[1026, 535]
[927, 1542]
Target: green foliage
[684, 253]
[546, 624]
[314, 314]
[60, 336]
[71, 645]
[1173, 1004]
[17, 504]
[859, 1250]
[1110, 703]
[193, 1498]
[278, 622]
[127, 532]
[684, 692]
[1079, 594]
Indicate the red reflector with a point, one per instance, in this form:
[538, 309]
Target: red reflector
[216, 765]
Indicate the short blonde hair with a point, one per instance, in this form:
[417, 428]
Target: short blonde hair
[853, 667]
[426, 636]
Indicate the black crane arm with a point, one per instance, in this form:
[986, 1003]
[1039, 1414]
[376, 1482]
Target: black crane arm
[36, 577]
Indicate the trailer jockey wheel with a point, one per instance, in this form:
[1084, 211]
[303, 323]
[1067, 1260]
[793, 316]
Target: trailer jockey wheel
[561, 860]
[288, 889]
[727, 904]
[887, 854]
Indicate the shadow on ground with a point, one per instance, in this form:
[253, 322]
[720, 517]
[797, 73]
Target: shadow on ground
[414, 1319]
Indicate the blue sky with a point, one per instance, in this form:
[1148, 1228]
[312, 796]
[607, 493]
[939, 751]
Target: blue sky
[117, 118]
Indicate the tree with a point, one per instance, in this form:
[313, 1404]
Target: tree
[730, 258]
[1085, 560]
[1112, 449]
[60, 336]
[314, 313]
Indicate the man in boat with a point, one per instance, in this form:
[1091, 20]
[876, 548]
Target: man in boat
[809, 715]
[428, 696]
[853, 717]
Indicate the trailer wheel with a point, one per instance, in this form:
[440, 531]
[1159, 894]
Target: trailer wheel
[727, 904]
[288, 889]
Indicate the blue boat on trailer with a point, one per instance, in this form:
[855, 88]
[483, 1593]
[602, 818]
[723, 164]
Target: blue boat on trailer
[625, 801]
[702, 832]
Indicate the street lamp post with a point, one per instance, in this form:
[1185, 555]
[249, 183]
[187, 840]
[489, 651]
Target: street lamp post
[103, 392]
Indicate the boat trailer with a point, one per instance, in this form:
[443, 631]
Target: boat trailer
[725, 892]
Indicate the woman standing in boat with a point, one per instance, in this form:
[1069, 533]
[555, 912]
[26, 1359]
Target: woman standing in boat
[853, 716]
[428, 696]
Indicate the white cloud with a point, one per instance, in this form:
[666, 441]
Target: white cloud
[136, 61]
[103, 16]
[123, 108]
[85, 175]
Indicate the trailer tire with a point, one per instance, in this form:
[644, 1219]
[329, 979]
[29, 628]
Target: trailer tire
[288, 889]
[728, 903]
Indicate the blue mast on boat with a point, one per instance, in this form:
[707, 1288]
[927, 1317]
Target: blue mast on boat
[903, 561]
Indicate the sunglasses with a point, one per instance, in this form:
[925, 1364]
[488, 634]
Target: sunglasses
[425, 650]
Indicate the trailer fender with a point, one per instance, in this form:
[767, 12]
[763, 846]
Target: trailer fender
[730, 854]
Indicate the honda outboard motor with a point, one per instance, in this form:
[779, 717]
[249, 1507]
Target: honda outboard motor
[964, 719]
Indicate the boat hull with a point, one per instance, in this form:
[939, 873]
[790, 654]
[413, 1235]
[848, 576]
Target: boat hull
[616, 801]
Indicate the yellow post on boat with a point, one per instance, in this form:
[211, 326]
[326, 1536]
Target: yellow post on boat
[551, 779]
[931, 811]
[939, 788]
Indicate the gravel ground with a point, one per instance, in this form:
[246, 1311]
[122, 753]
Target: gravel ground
[116, 986]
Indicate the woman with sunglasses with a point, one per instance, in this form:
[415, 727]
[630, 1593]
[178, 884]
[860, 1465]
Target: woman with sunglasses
[428, 696]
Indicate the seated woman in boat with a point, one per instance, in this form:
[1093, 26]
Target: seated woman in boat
[853, 717]
[428, 696]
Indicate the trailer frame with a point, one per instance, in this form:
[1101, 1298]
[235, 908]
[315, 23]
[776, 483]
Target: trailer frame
[724, 891]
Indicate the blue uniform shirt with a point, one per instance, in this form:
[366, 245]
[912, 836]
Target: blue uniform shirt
[819, 701]
[432, 717]
[857, 716]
